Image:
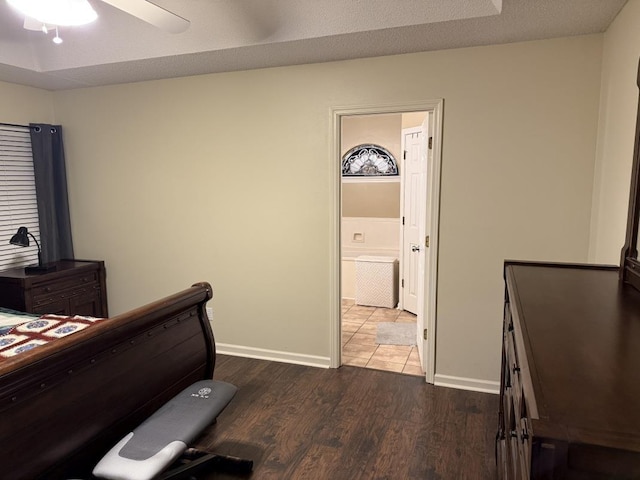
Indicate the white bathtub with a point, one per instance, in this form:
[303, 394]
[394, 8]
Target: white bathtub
[348, 274]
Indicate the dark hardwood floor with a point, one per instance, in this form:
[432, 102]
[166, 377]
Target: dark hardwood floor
[350, 423]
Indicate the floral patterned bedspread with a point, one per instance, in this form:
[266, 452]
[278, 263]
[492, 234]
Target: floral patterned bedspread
[39, 331]
[10, 318]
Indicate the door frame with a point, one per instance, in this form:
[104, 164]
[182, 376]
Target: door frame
[433, 185]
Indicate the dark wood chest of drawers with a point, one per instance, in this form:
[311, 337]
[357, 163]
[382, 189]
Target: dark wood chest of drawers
[570, 383]
[77, 287]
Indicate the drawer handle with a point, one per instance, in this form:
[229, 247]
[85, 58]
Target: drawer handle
[516, 368]
[47, 289]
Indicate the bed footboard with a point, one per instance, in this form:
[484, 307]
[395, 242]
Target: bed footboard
[65, 403]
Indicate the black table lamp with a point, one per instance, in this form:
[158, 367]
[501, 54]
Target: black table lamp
[21, 238]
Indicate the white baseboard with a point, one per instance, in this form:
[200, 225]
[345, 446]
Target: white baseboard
[273, 355]
[484, 386]
[473, 384]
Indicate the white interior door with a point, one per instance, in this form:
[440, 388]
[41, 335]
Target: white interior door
[415, 211]
[412, 206]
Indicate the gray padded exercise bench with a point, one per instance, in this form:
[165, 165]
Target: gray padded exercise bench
[164, 437]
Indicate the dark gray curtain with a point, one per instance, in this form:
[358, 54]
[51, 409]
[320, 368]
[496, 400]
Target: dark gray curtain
[51, 190]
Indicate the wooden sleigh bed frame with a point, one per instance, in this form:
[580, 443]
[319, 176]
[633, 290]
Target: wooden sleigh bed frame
[64, 404]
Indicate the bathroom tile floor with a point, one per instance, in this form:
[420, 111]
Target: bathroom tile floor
[359, 347]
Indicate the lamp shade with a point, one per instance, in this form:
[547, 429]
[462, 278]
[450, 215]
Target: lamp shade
[21, 237]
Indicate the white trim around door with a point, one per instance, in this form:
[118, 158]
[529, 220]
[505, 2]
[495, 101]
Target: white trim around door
[435, 107]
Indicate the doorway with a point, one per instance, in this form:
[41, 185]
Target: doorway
[372, 228]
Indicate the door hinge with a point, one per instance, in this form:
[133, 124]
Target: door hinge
[404, 155]
[430, 143]
[426, 241]
[403, 220]
[424, 334]
[402, 283]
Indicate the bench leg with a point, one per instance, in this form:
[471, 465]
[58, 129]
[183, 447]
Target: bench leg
[199, 462]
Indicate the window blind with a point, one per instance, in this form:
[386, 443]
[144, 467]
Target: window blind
[18, 205]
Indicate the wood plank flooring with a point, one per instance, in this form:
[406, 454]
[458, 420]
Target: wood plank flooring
[350, 423]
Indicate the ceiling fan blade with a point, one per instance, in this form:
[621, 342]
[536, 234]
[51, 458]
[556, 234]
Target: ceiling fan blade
[31, 23]
[152, 13]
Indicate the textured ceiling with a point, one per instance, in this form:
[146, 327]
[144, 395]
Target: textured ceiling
[229, 35]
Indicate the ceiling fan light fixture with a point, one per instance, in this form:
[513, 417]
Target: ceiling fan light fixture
[57, 12]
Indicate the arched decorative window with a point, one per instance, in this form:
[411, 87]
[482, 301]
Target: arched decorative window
[369, 160]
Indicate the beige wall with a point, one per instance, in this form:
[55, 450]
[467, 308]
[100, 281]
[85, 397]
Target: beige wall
[23, 105]
[413, 119]
[616, 132]
[383, 130]
[371, 198]
[212, 178]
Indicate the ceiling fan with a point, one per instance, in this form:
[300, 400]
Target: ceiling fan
[47, 14]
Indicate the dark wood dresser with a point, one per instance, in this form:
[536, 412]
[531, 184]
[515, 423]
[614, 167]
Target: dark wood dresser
[77, 287]
[570, 383]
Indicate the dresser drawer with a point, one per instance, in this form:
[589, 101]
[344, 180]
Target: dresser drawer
[62, 295]
[524, 442]
[59, 286]
[502, 454]
[514, 372]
